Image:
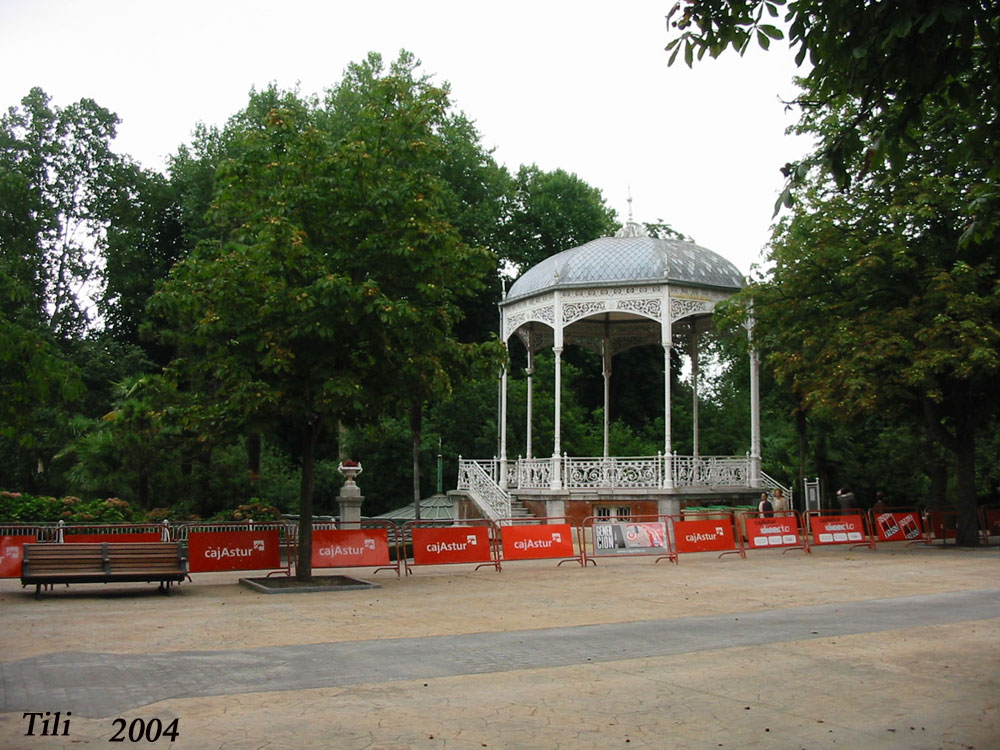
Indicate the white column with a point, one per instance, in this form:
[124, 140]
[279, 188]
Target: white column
[755, 445]
[694, 387]
[529, 372]
[667, 450]
[503, 428]
[606, 357]
[557, 424]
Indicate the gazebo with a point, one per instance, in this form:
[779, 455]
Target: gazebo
[610, 295]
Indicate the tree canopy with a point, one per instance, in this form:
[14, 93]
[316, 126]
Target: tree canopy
[881, 296]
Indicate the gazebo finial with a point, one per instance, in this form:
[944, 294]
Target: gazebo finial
[631, 228]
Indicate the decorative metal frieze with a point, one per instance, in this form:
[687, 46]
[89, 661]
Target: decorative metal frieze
[512, 321]
[575, 310]
[610, 291]
[546, 314]
[649, 308]
[530, 302]
[681, 308]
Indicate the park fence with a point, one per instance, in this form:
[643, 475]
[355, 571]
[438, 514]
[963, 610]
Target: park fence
[384, 545]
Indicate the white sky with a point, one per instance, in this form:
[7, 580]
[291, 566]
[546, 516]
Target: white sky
[583, 86]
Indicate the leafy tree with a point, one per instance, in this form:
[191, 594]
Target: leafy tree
[61, 160]
[399, 111]
[342, 274]
[875, 304]
[894, 60]
[883, 298]
[143, 243]
[552, 212]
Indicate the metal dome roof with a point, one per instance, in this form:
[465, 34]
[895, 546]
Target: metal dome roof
[612, 261]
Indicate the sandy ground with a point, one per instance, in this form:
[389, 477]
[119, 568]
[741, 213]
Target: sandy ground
[921, 687]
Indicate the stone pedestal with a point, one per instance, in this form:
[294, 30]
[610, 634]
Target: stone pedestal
[350, 500]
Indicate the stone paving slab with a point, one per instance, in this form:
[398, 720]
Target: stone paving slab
[130, 681]
[904, 655]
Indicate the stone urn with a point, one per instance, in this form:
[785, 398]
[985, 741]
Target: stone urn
[350, 498]
[350, 470]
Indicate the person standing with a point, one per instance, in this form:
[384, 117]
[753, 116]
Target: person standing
[846, 499]
[879, 506]
[779, 501]
[764, 507]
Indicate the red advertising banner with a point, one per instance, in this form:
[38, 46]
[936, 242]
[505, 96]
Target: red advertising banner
[897, 527]
[233, 550]
[454, 544]
[943, 523]
[350, 548]
[537, 542]
[630, 538]
[780, 531]
[846, 529]
[704, 535]
[992, 518]
[131, 536]
[12, 553]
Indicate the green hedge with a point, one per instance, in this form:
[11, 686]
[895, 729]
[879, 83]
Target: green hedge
[18, 507]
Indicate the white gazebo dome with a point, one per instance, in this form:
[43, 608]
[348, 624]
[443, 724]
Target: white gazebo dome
[610, 295]
[613, 261]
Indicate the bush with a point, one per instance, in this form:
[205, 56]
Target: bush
[17, 507]
[255, 510]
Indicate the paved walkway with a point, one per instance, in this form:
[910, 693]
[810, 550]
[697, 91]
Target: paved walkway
[894, 649]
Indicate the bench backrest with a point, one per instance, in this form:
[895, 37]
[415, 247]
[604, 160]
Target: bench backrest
[156, 556]
[74, 558]
[104, 557]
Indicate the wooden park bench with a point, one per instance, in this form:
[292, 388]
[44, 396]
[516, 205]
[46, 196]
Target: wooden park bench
[103, 562]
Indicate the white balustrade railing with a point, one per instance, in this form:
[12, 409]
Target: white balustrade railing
[633, 472]
[483, 489]
[613, 472]
[711, 471]
[533, 473]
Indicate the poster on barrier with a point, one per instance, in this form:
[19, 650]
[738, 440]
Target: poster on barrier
[992, 518]
[454, 544]
[943, 523]
[837, 529]
[537, 542]
[130, 536]
[704, 535]
[350, 548]
[780, 531]
[12, 553]
[897, 527]
[630, 538]
[233, 550]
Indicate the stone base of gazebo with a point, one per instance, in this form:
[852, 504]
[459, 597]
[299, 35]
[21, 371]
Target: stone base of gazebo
[576, 505]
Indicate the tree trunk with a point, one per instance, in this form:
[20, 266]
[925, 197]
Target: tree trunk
[967, 531]
[416, 431]
[823, 469]
[801, 429]
[142, 491]
[937, 471]
[253, 462]
[303, 565]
